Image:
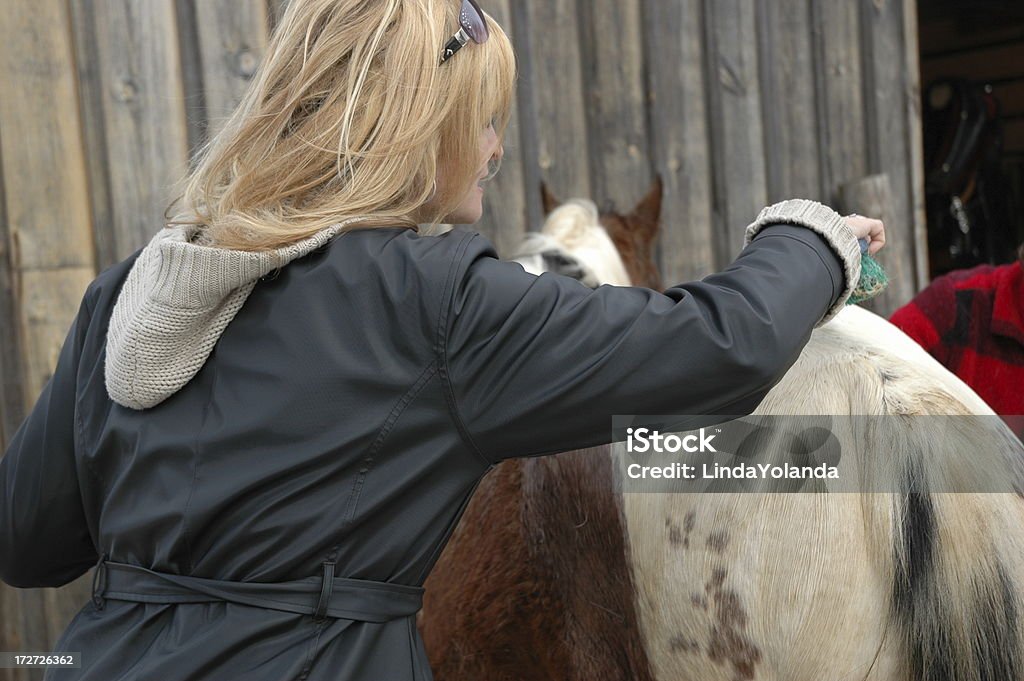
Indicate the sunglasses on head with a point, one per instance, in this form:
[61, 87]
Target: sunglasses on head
[472, 26]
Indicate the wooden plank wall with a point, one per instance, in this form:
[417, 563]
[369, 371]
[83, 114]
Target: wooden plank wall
[734, 103]
[49, 256]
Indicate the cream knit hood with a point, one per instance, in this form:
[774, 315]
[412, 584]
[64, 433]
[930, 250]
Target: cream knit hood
[175, 302]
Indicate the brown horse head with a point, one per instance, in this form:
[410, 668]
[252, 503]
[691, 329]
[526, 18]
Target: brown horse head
[632, 233]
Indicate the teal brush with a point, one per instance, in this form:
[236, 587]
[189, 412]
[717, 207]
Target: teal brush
[872, 277]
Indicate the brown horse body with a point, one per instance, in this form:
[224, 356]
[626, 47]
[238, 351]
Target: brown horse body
[500, 604]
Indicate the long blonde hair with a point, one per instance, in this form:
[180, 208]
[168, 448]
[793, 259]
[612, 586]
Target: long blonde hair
[350, 114]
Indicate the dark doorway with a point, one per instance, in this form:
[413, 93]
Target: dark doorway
[972, 99]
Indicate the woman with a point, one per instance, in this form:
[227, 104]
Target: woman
[263, 426]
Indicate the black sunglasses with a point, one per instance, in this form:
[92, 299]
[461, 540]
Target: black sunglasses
[473, 27]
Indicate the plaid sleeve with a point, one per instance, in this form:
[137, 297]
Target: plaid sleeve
[929, 316]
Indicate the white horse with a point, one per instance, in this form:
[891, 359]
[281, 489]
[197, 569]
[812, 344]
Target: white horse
[829, 586]
[886, 586]
[905, 584]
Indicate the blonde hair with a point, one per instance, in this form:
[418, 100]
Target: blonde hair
[350, 115]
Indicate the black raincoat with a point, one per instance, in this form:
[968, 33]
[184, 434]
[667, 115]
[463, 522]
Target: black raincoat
[276, 517]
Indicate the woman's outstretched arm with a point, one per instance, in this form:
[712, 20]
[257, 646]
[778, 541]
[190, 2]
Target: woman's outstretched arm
[539, 364]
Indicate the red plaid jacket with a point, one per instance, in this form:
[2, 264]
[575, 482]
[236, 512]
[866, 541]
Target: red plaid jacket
[973, 322]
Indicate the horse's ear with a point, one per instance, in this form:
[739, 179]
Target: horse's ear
[648, 210]
[548, 199]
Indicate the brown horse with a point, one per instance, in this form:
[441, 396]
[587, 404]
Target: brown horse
[499, 604]
[552, 574]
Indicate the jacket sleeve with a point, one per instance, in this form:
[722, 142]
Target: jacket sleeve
[44, 538]
[540, 364]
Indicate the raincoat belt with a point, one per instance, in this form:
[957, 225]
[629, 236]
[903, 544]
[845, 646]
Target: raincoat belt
[322, 597]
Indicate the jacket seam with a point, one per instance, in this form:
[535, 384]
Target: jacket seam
[378, 442]
[79, 425]
[441, 350]
[79, 431]
[80, 446]
[307, 667]
[195, 471]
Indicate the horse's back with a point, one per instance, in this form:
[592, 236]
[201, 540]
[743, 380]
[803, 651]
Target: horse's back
[847, 585]
[857, 332]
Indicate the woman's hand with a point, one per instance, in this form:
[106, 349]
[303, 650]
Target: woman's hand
[867, 228]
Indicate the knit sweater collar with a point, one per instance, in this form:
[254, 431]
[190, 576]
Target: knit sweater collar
[175, 303]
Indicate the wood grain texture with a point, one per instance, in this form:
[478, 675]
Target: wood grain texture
[194, 96]
[679, 136]
[49, 232]
[872, 195]
[90, 107]
[788, 96]
[232, 37]
[890, 99]
[144, 115]
[914, 160]
[839, 93]
[615, 101]
[47, 201]
[12, 411]
[8, 631]
[526, 119]
[49, 258]
[737, 137]
[506, 218]
[12, 408]
[557, 101]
